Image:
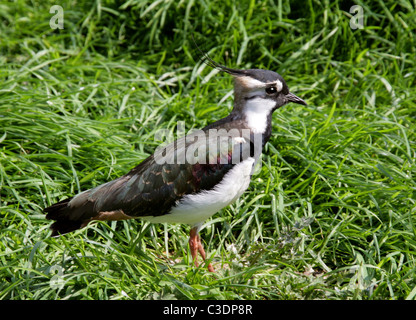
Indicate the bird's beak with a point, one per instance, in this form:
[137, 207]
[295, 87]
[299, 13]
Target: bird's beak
[290, 97]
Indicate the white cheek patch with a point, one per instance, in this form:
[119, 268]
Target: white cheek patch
[251, 83]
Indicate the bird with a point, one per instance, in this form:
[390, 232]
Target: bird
[193, 177]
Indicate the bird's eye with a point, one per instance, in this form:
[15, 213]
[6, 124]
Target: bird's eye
[271, 90]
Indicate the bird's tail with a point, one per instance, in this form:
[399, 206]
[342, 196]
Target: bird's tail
[94, 204]
[69, 217]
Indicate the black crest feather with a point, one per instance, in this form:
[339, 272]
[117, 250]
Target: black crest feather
[205, 58]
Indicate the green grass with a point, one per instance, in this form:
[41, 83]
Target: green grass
[331, 214]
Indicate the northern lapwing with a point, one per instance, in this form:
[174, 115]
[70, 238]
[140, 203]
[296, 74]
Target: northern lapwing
[192, 178]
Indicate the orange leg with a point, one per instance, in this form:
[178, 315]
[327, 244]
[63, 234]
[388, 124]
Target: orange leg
[196, 246]
[193, 245]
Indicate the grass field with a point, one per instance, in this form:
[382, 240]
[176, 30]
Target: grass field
[330, 215]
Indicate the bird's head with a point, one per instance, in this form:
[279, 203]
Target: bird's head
[258, 87]
[257, 92]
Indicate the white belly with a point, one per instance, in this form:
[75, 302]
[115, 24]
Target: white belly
[195, 208]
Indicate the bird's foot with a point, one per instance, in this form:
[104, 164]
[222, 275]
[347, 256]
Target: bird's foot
[196, 246]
